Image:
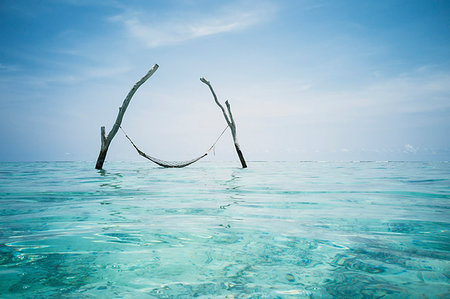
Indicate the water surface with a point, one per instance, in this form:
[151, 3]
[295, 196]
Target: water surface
[213, 230]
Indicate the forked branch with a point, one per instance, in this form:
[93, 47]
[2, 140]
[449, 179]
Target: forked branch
[230, 121]
[106, 140]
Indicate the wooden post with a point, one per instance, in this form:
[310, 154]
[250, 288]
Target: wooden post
[230, 121]
[106, 140]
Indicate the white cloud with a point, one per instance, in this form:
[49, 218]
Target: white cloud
[173, 30]
[410, 149]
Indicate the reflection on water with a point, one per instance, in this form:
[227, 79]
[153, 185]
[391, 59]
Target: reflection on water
[273, 230]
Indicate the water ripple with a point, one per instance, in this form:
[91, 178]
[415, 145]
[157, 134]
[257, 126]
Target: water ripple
[302, 229]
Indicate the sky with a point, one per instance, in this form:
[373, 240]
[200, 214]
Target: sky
[306, 80]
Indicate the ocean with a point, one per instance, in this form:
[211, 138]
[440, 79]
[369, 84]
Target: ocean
[214, 230]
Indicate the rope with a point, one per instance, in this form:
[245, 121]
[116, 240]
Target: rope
[129, 138]
[214, 144]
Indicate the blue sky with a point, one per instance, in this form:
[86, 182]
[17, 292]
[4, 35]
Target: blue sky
[307, 80]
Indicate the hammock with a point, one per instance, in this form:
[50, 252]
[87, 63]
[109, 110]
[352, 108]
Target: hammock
[172, 164]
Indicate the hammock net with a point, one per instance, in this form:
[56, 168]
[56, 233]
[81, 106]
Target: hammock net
[171, 164]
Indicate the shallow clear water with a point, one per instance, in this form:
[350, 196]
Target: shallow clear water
[276, 229]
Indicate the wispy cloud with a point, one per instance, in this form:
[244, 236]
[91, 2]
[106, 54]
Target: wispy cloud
[174, 30]
[409, 95]
[7, 68]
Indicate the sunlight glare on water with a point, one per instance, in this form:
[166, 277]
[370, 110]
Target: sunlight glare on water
[275, 229]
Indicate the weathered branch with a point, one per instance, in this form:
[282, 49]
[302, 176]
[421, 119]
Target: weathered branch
[230, 121]
[216, 100]
[106, 140]
[102, 136]
[233, 128]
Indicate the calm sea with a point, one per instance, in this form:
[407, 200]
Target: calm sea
[213, 230]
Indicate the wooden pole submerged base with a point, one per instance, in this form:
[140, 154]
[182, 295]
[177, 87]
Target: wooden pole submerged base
[240, 155]
[101, 159]
[103, 150]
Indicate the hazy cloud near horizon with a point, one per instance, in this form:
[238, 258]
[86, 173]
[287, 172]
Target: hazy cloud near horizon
[307, 80]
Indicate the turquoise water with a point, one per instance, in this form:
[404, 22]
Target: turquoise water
[213, 230]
